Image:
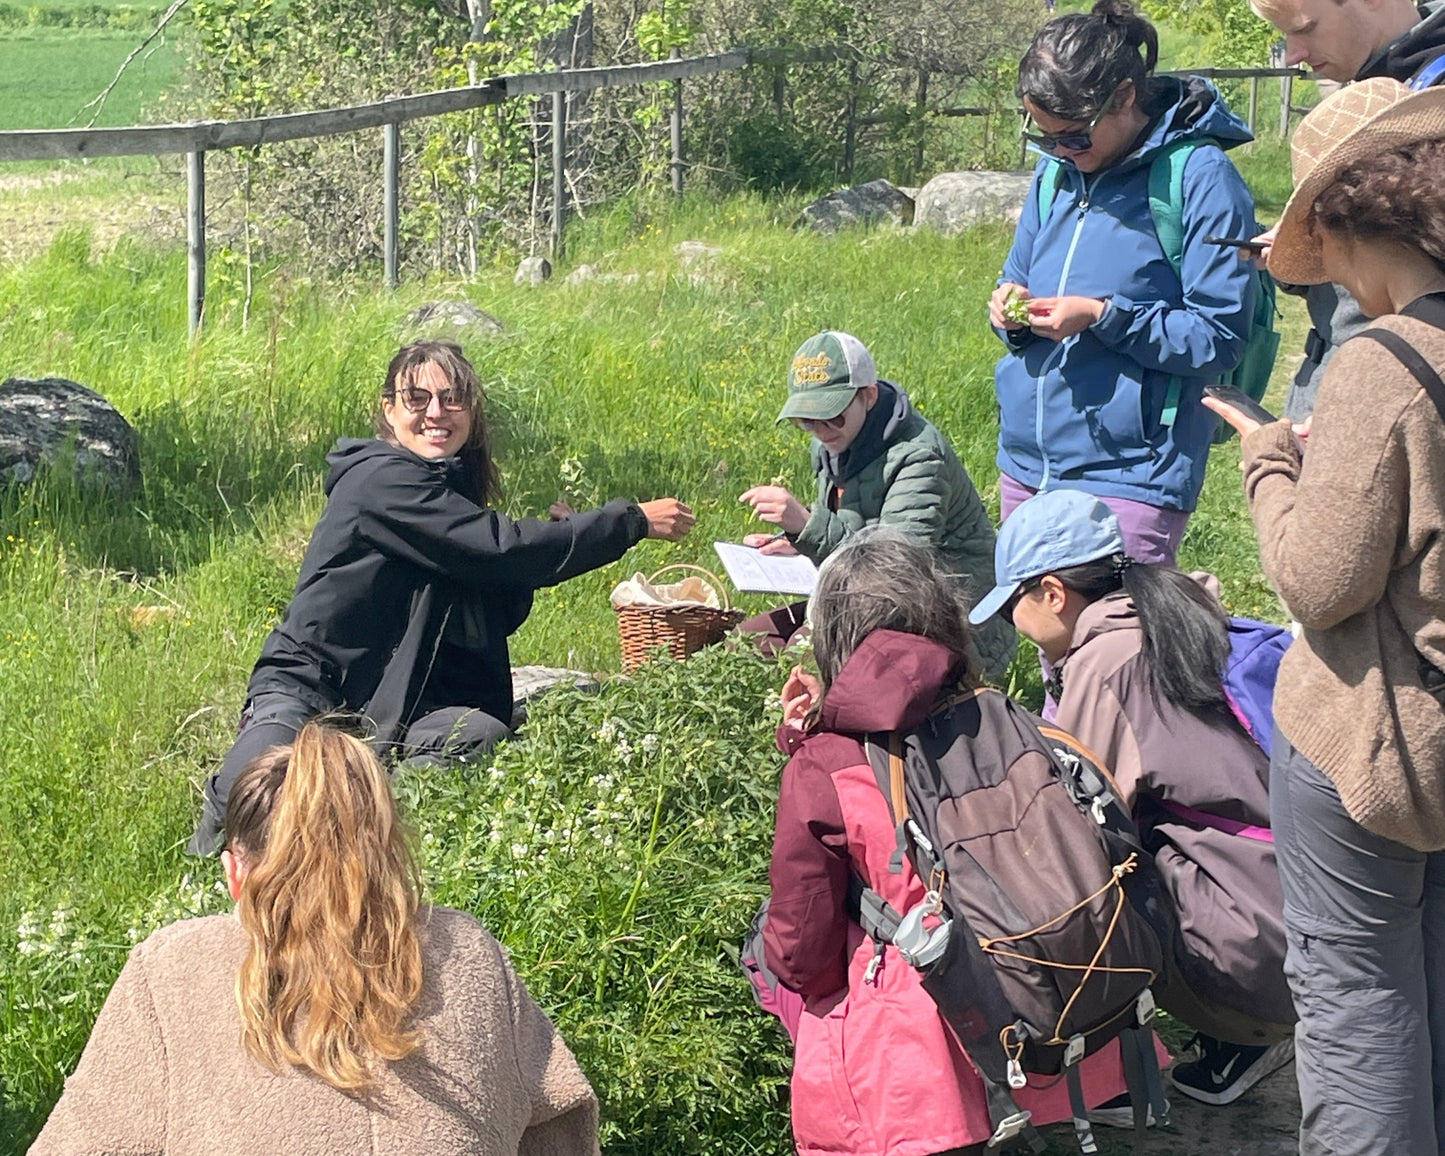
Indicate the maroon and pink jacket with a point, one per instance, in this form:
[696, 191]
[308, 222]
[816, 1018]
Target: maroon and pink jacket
[877, 1071]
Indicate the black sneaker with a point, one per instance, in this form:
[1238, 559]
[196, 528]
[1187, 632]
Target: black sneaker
[1119, 1113]
[1224, 1072]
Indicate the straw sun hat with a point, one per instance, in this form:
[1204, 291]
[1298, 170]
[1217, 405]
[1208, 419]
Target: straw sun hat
[1361, 120]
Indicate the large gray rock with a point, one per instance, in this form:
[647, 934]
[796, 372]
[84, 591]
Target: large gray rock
[875, 203]
[530, 681]
[953, 202]
[533, 271]
[51, 420]
[460, 319]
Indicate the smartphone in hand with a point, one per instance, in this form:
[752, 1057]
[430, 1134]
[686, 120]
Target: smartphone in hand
[1233, 395]
[1252, 246]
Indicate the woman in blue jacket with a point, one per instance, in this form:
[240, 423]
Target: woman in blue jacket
[1100, 388]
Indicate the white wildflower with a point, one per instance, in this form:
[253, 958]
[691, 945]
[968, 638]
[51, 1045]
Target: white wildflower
[650, 743]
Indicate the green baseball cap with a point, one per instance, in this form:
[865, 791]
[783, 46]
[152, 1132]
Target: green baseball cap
[826, 372]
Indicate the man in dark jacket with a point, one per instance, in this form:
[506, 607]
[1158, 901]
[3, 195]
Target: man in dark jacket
[1345, 40]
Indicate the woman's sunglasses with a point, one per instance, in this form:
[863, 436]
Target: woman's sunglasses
[808, 424]
[1025, 588]
[416, 399]
[1074, 142]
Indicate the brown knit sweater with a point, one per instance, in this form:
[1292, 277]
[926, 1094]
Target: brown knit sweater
[165, 1072]
[1353, 538]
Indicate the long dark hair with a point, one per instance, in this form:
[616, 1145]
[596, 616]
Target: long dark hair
[1078, 61]
[484, 482]
[1186, 630]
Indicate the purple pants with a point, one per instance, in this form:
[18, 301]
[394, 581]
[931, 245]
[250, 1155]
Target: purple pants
[1151, 533]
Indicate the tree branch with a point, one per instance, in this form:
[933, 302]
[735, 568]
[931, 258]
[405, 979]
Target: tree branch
[100, 100]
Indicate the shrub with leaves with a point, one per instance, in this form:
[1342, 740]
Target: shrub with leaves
[619, 852]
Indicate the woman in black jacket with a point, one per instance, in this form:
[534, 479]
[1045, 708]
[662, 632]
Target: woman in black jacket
[412, 584]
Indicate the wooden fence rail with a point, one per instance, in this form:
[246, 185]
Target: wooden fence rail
[196, 138]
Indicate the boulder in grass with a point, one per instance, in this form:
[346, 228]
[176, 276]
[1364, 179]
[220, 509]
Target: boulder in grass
[955, 202]
[875, 203]
[50, 420]
[533, 271]
[530, 681]
[457, 319]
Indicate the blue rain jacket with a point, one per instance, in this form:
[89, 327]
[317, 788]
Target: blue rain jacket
[1086, 413]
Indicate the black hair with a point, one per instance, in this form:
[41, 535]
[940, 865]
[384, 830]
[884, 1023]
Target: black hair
[1078, 61]
[1186, 630]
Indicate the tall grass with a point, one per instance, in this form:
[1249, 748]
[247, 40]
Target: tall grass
[657, 377]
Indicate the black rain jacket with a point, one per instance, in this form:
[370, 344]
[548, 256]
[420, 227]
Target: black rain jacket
[409, 590]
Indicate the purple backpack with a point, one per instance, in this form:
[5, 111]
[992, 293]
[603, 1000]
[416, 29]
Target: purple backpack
[1255, 649]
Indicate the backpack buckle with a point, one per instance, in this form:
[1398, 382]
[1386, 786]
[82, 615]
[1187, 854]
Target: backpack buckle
[1074, 1051]
[918, 945]
[1010, 1128]
[1145, 1007]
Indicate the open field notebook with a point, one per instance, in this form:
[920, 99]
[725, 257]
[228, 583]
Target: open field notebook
[756, 573]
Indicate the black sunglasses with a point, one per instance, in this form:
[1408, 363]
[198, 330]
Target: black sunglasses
[1074, 142]
[1024, 588]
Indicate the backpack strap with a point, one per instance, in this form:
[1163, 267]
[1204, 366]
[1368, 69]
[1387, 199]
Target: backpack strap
[1166, 206]
[1049, 180]
[1430, 75]
[1411, 358]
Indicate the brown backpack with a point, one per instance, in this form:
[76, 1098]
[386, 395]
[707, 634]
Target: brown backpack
[1041, 932]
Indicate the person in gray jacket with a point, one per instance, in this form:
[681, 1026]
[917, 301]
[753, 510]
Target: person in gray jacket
[1344, 42]
[878, 462]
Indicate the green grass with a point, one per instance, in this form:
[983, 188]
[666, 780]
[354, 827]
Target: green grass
[666, 383]
[48, 74]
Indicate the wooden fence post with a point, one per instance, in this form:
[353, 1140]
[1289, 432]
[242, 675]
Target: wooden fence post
[1286, 97]
[1253, 100]
[559, 173]
[195, 238]
[391, 197]
[677, 130]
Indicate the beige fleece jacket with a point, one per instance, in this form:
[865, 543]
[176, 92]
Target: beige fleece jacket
[165, 1072]
[1352, 534]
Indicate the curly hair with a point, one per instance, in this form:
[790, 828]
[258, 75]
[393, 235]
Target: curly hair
[1393, 196]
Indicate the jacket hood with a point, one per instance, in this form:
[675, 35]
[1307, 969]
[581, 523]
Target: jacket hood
[351, 452]
[890, 683]
[1192, 110]
[1103, 616]
[1406, 55]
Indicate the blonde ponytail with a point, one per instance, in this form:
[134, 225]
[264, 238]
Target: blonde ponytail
[330, 903]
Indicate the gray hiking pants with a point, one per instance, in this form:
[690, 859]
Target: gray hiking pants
[1365, 923]
[453, 733]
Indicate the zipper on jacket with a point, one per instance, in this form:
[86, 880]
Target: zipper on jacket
[1058, 353]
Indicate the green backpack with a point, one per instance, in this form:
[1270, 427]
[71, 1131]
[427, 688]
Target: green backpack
[1166, 206]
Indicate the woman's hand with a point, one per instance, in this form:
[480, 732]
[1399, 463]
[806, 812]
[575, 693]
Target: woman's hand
[560, 511]
[800, 692]
[774, 504]
[1059, 318]
[1302, 430]
[769, 544]
[668, 519]
[997, 302]
[1241, 421]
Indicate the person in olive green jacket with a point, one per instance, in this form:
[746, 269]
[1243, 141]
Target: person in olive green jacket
[877, 461]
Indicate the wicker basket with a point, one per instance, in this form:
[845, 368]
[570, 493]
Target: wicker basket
[681, 629]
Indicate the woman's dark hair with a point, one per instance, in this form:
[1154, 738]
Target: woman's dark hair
[883, 580]
[1186, 630]
[1077, 61]
[1393, 196]
[483, 479]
